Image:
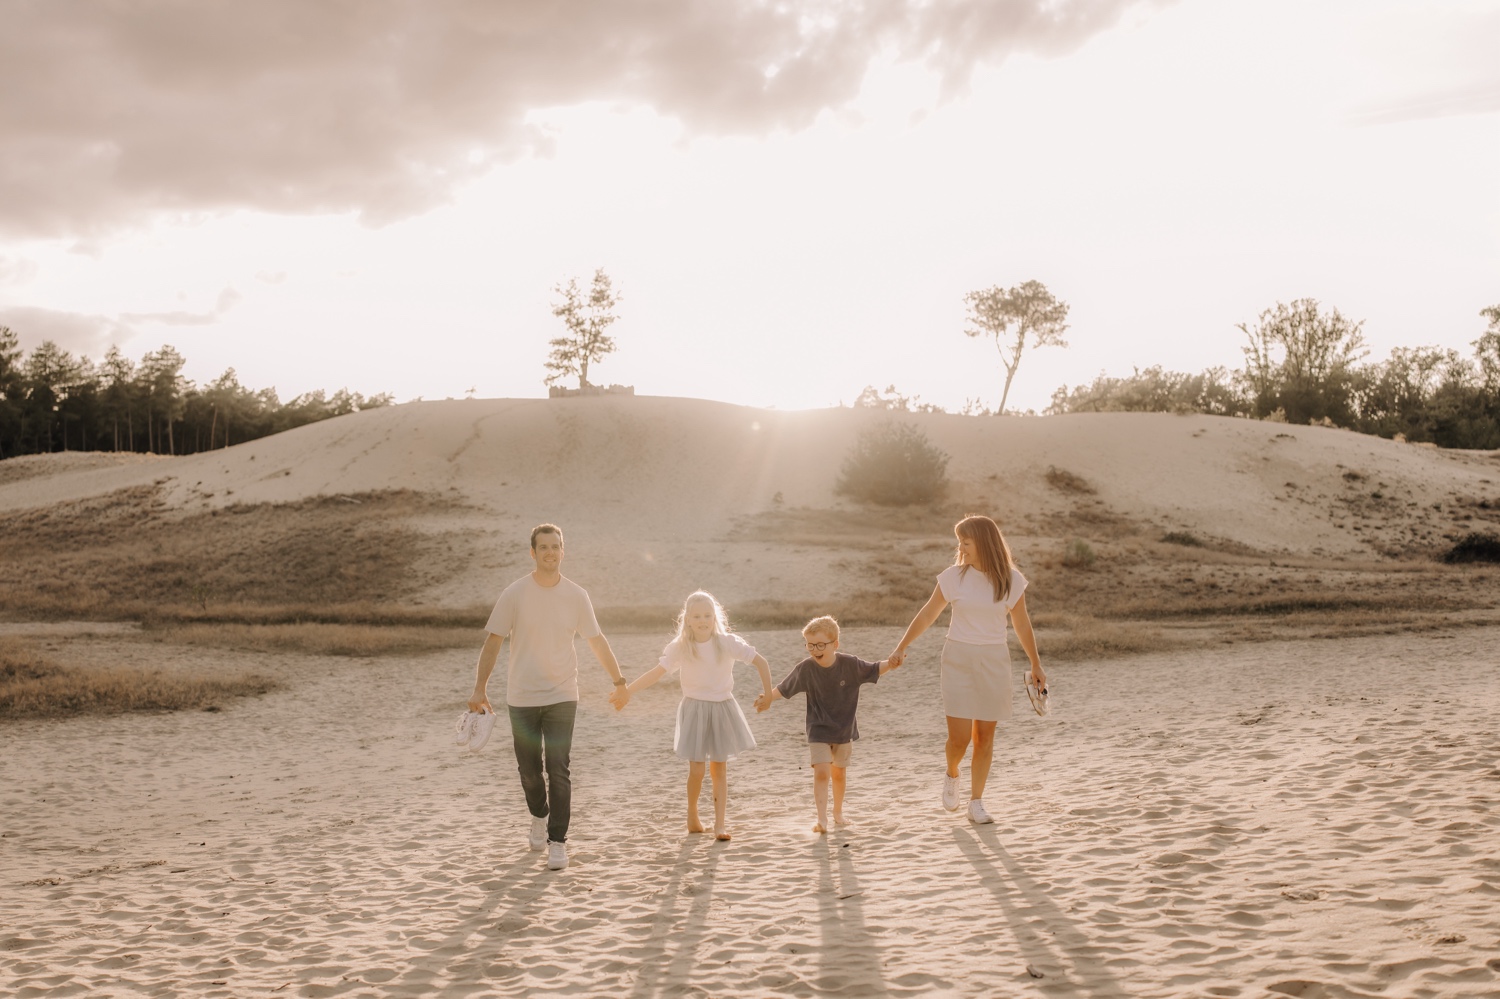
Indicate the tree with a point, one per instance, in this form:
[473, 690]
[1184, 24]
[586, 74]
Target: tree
[161, 381]
[1012, 316]
[1487, 348]
[12, 388]
[586, 319]
[1301, 361]
[893, 464]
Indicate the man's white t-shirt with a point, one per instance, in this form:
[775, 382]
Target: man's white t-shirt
[978, 619]
[708, 675]
[540, 622]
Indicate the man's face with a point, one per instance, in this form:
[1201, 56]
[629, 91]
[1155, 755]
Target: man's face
[822, 646]
[548, 552]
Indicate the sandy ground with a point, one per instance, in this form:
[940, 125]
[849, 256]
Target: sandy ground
[1312, 819]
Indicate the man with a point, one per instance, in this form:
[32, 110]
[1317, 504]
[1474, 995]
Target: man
[540, 613]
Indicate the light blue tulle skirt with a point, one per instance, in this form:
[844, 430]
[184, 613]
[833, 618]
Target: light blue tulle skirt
[711, 731]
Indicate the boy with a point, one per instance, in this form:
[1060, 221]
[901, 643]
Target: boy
[831, 680]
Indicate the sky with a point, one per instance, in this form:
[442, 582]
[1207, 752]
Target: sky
[793, 199]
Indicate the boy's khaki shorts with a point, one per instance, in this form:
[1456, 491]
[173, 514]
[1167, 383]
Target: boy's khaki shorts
[825, 752]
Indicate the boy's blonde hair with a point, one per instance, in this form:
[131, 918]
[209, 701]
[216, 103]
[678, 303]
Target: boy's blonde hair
[824, 624]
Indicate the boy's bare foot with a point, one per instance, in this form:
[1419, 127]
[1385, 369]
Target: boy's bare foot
[818, 828]
[694, 826]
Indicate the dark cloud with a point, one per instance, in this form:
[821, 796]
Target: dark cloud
[113, 112]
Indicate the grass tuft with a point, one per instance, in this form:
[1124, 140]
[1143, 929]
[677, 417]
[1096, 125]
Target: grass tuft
[318, 639]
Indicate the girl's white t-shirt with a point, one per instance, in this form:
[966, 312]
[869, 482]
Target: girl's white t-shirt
[708, 675]
[978, 619]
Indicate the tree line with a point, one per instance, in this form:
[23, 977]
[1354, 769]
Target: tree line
[52, 400]
[1305, 364]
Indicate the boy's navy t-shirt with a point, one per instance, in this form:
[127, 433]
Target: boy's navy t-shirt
[832, 695]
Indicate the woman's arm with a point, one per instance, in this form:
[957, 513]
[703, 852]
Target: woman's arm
[1022, 622]
[928, 614]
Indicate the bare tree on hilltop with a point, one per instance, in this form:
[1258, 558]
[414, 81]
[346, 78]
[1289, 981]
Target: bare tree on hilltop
[587, 319]
[1012, 316]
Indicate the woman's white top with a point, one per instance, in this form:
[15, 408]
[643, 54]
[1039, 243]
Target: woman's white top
[978, 619]
[707, 671]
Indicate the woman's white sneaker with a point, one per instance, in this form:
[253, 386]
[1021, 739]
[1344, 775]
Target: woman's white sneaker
[950, 793]
[557, 856]
[537, 838]
[977, 814]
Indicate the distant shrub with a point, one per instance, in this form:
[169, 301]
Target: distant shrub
[1476, 547]
[1079, 554]
[893, 464]
[1066, 482]
[1182, 538]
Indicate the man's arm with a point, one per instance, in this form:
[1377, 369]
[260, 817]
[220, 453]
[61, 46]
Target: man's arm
[599, 646]
[488, 655]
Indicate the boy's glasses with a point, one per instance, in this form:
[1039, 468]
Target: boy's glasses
[817, 647]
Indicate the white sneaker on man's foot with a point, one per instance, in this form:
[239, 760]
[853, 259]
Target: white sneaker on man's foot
[465, 730]
[950, 793]
[977, 814]
[537, 838]
[484, 723]
[557, 856]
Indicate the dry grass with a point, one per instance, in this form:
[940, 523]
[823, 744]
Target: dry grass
[125, 555]
[1067, 482]
[33, 686]
[318, 639]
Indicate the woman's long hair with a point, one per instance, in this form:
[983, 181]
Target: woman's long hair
[992, 554]
[683, 641]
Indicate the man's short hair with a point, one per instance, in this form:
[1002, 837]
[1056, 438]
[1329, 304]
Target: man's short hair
[545, 529]
[823, 625]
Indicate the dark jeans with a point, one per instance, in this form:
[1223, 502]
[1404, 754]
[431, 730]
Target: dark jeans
[546, 733]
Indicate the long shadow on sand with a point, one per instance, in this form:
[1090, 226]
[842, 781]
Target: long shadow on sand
[848, 960]
[458, 966]
[671, 952]
[1026, 904]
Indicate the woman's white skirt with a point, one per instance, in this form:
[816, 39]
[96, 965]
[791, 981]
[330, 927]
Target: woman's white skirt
[976, 681]
[711, 731]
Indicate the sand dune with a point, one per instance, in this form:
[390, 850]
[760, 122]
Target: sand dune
[1297, 819]
[670, 494]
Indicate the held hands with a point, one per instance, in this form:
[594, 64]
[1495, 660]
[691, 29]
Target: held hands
[896, 658]
[619, 697]
[763, 702]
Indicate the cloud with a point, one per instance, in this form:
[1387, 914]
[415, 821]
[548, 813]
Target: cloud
[115, 113]
[227, 300]
[1481, 98]
[16, 270]
[89, 335]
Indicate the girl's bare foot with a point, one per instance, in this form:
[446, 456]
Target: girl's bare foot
[721, 834]
[839, 822]
[694, 826]
[818, 828]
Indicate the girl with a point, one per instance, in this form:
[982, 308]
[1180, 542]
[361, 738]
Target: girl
[711, 728]
[984, 587]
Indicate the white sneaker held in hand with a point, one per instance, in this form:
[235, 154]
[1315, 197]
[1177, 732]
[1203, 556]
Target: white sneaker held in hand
[483, 725]
[465, 729]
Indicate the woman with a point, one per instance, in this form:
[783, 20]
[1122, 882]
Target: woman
[984, 588]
